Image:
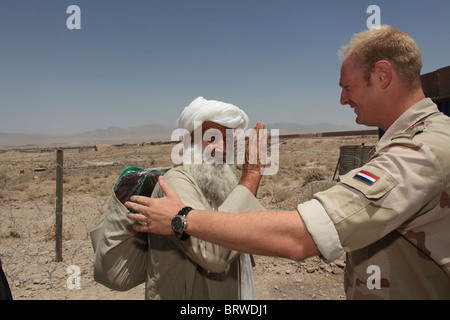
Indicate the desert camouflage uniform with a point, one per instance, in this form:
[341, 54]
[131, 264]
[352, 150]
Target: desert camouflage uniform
[395, 226]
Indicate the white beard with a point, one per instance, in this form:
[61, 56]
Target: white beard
[216, 181]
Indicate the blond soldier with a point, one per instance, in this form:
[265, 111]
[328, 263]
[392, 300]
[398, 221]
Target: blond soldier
[391, 217]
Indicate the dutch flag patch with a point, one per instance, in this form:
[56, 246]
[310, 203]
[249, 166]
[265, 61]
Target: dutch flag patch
[366, 177]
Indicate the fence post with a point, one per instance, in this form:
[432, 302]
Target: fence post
[59, 204]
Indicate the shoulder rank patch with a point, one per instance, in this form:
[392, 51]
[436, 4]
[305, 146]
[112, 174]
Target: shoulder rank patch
[409, 134]
[366, 177]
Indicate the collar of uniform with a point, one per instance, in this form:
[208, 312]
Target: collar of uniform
[407, 120]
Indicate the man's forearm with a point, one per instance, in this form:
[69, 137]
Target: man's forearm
[274, 233]
[271, 233]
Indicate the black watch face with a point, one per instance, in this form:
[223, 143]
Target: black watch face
[177, 224]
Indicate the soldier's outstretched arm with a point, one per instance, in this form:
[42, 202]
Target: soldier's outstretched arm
[271, 233]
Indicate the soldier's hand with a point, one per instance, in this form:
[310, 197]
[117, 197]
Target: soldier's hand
[155, 215]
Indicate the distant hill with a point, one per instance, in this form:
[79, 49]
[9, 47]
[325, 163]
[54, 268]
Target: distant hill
[293, 128]
[149, 132]
[14, 139]
[112, 134]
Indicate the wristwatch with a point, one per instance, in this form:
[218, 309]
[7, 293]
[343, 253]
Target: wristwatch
[179, 223]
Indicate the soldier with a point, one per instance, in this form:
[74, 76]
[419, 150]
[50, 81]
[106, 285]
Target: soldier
[391, 217]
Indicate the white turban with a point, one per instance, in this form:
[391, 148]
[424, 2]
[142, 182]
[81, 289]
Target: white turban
[218, 112]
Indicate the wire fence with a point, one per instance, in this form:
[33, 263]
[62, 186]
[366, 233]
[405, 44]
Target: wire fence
[35, 251]
[39, 266]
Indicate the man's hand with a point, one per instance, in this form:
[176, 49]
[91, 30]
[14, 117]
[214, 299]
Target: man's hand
[155, 215]
[251, 171]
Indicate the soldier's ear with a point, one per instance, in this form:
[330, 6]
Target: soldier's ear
[383, 73]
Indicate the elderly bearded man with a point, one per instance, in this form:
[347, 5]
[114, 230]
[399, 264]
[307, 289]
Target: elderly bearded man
[175, 267]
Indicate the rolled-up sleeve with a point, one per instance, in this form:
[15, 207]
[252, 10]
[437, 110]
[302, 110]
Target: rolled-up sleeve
[321, 229]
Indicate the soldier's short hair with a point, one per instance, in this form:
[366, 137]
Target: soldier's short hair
[386, 43]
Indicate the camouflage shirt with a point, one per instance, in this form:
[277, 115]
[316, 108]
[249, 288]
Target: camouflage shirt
[392, 216]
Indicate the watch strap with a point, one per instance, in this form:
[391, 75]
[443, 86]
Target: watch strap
[183, 212]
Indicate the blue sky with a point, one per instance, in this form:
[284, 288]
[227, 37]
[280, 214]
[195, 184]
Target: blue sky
[140, 62]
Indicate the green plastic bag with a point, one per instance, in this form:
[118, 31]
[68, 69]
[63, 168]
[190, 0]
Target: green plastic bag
[136, 181]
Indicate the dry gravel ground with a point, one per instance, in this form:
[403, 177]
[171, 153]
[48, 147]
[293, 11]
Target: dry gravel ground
[27, 218]
[41, 278]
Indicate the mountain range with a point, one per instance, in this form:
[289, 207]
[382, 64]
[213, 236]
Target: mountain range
[151, 132]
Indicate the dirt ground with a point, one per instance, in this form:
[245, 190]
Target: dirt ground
[27, 218]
